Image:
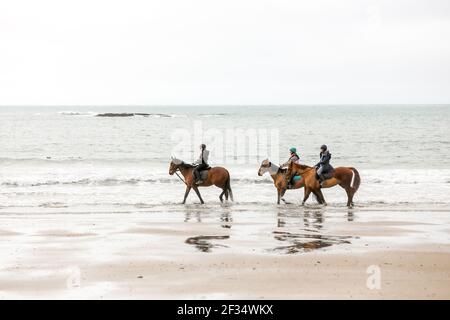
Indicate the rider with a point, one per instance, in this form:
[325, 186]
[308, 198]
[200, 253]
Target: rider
[323, 166]
[202, 163]
[292, 158]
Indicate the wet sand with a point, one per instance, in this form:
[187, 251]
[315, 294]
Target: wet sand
[231, 252]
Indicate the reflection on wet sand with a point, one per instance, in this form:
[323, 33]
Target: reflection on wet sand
[303, 242]
[298, 231]
[203, 243]
[191, 214]
[310, 238]
[226, 219]
[195, 215]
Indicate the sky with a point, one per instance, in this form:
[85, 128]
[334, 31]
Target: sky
[230, 52]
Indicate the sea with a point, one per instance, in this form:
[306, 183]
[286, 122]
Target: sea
[115, 159]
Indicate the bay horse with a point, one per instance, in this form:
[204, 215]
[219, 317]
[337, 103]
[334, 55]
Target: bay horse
[218, 176]
[347, 177]
[278, 177]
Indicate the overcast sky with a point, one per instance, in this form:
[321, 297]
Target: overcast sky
[103, 52]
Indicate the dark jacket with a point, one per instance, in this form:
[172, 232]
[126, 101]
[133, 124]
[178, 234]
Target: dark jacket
[324, 162]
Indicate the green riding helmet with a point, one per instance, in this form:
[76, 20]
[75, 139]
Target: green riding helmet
[293, 149]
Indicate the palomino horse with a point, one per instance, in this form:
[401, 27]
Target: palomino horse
[347, 177]
[217, 176]
[278, 177]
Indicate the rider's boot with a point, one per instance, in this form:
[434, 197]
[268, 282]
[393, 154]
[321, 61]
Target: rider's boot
[321, 180]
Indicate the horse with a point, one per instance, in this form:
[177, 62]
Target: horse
[347, 177]
[278, 177]
[218, 176]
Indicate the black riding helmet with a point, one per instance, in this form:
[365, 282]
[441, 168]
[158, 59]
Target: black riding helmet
[203, 146]
[323, 148]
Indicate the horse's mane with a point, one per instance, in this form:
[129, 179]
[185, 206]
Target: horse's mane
[300, 166]
[282, 170]
[186, 165]
[182, 164]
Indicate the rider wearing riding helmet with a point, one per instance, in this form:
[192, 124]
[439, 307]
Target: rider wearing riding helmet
[293, 157]
[202, 163]
[323, 166]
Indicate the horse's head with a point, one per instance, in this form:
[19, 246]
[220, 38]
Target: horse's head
[174, 165]
[265, 165]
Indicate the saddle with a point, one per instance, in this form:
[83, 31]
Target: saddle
[328, 175]
[204, 173]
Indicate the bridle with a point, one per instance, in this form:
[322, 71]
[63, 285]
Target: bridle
[176, 172]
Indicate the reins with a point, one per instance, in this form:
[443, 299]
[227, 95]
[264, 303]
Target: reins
[180, 177]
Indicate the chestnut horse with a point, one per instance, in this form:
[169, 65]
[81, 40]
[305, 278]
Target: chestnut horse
[278, 177]
[347, 177]
[217, 176]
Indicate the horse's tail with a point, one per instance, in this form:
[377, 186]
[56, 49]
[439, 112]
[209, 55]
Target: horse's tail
[356, 179]
[228, 186]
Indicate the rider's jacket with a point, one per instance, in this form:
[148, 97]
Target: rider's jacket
[203, 158]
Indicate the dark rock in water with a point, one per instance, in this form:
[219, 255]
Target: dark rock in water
[110, 114]
[115, 115]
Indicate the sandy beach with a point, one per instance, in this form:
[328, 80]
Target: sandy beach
[229, 251]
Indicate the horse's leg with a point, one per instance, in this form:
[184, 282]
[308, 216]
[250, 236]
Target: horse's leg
[221, 195]
[321, 197]
[307, 193]
[188, 189]
[226, 194]
[198, 194]
[350, 194]
[278, 196]
[318, 199]
[283, 191]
